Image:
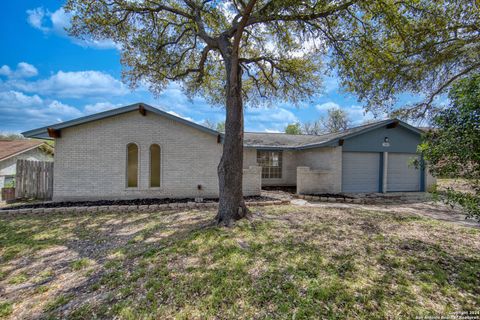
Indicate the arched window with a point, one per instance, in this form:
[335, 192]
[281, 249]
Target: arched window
[132, 165]
[154, 165]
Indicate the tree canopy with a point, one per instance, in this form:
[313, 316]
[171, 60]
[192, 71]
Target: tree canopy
[219, 126]
[336, 121]
[417, 47]
[452, 147]
[293, 128]
[182, 41]
[380, 48]
[263, 51]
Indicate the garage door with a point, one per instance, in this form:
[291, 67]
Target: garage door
[360, 172]
[401, 176]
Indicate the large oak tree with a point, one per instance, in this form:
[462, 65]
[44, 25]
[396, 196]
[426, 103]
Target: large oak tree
[261, 51]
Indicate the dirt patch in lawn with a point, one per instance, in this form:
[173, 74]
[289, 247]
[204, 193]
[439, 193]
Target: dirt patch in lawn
[433, 210]
[285, 262]
[460, 185]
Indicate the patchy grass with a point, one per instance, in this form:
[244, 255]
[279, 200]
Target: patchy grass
[286, 262]
[58, 302]
[6, 309]
[80, 264]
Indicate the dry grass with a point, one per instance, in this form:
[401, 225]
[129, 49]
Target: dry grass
[460, 185]
[287, 262]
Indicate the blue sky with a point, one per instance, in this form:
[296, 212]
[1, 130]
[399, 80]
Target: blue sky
[48, 77]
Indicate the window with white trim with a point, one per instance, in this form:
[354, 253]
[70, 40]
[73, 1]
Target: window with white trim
[271, 163]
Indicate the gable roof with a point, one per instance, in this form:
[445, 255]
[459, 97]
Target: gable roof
[302, 141]
[251, 139]
[43, 132]
[11, 148]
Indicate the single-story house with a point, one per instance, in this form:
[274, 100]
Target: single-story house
[138, 151]
[12, 150]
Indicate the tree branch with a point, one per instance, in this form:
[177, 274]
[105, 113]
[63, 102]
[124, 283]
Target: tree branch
[201, 64]
[447, 83]
[300, 17]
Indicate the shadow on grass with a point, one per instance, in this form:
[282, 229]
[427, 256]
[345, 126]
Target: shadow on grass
[178, 265]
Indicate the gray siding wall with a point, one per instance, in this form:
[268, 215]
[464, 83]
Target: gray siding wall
[90, 159]
[400, 139]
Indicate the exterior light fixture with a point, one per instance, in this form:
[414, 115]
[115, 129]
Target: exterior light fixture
[386, 142]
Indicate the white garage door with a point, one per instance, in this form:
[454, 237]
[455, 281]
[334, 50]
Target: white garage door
[401, 175]
[360, 172]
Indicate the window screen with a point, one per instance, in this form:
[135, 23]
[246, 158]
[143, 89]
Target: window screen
[271, 163]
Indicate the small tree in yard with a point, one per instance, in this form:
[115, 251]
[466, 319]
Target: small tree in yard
[452, 148]
[258, 51]
[336, 121]
[313, 128]
[293, 128]
[219, 126]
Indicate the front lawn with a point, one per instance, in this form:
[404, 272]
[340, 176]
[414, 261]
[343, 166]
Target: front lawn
[288, 262]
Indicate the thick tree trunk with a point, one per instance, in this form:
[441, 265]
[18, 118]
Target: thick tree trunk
[231, 205]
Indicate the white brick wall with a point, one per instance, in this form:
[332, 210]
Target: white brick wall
[289, 167]
[90, 159]
[311, 181]
[252, 181]
[326, 159]
[320, 170]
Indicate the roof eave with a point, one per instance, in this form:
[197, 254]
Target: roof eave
[42, 132]
[20, 152]
[263, 147]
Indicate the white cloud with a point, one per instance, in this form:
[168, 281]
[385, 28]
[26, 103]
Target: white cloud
[56, 107]
[331, 83]
[173, 113]
[273, 119]
[5, 71]
[17, 99]
[24, 70]
[35, 18]
[272, 131]
[58, 22]
[100, 107]
[74, 85]
[327, 105]
[19, 111]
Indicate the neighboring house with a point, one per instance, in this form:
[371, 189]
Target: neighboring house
[138, 151]
[12, 150]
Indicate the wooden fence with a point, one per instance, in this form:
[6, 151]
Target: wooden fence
[34, 180]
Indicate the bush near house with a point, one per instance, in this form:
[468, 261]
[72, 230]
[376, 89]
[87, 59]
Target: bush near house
[452, 149]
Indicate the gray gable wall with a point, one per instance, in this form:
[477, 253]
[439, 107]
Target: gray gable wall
[400, 140]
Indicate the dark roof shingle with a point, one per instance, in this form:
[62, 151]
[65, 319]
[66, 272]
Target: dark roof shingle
[275, 140]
